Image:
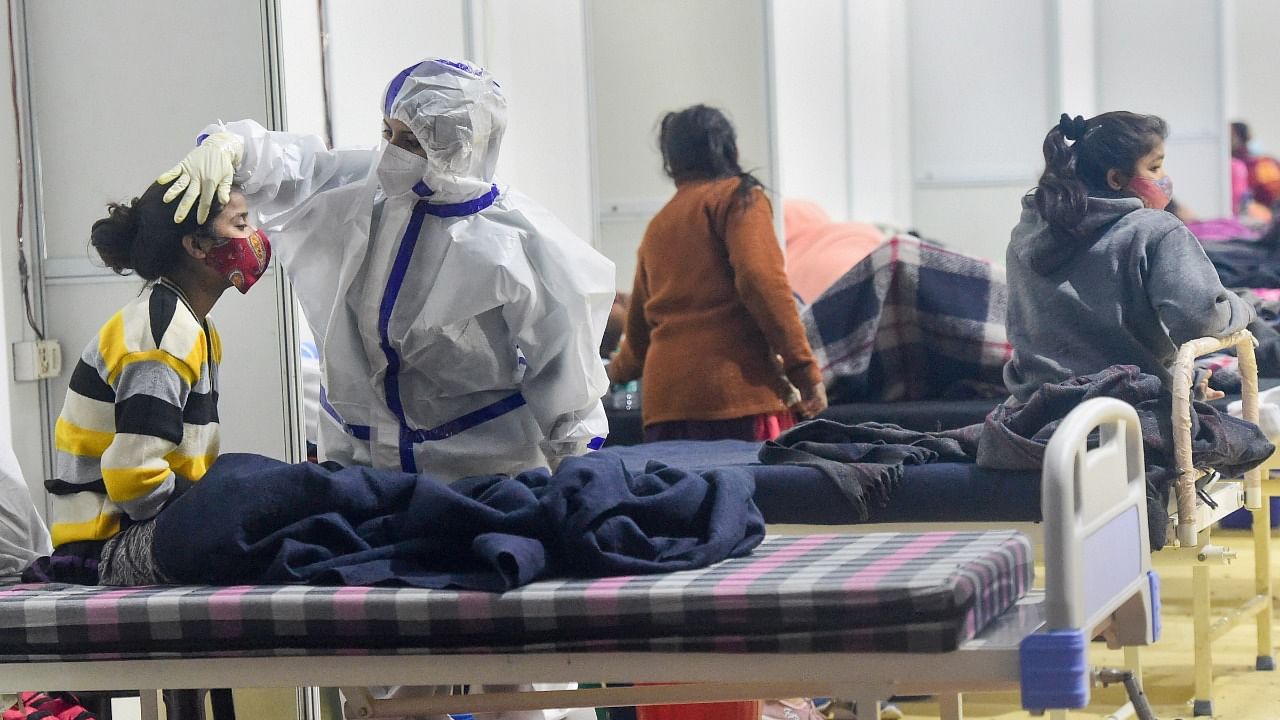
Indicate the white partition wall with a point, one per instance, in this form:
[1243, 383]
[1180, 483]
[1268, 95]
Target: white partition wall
[1252, 70]
[538, 51]
[948, 103]
[879, 134]
[369, 42]
[103, 134]
[653, 57]
[1184, 81]
[813, 71]
[978, 116]
[302, 24]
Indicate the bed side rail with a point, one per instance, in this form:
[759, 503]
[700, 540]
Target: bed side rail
[1183, 379]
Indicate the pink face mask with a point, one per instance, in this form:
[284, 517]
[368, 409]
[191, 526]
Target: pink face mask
[1155, 194]
[242, 260]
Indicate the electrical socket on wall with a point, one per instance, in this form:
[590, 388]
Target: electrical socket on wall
[36, 360]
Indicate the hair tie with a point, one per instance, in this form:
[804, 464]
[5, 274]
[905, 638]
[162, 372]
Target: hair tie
[1072, 128]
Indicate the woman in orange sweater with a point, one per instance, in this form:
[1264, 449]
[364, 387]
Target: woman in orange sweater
[712, 325]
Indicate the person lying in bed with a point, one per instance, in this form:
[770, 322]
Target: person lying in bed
[1098, 273]
[140, 420]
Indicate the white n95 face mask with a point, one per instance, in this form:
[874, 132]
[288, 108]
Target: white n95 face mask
[400, 171]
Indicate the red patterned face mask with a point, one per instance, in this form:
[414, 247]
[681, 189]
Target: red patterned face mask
[1155, 194]
[242, 260]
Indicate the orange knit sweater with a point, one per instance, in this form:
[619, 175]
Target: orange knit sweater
[710, 308]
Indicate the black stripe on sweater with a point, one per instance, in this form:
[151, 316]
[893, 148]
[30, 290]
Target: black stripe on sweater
[144, 414]
[62, 487]
[86, 381]
[201, 409]
[163, 304]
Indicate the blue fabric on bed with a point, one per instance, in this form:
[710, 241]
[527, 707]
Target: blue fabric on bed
[801, 494]
[256, 520]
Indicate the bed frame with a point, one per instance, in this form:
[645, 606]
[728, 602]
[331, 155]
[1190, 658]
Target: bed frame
[1191, 534]
[1196, 520]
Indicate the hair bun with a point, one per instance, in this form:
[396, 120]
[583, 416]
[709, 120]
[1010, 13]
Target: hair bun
[1072, 128]
[113, 236]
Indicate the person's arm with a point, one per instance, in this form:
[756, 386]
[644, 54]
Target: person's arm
[1185, 291]
[760, 278]
[276, 170]
[280, 170]
[628, 363]
[151, 391]
[556, 306]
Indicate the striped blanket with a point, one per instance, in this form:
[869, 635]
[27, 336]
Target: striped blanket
[912, 322]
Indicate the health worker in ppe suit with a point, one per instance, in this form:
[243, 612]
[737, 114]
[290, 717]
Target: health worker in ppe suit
[458, 322]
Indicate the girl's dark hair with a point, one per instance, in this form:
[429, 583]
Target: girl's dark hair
[1110, 141]
[1240, 131]
[140, 237]
[699, 143]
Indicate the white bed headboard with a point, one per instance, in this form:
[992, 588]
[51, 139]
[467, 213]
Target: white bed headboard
[1094, 505]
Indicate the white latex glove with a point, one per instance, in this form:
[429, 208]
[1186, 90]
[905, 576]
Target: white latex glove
[558, 452]
[206, 170]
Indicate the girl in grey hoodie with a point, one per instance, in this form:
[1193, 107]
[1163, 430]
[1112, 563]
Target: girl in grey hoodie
[1099, 274]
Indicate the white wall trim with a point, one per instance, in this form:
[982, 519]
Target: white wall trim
[1228, 104]
[473, 32]
[771, 123]
[593, 142]
[900, 83]
[1055, 61]
[631, 209]
[846, 73]
[66, 269]
[34, 231]
[939, 182]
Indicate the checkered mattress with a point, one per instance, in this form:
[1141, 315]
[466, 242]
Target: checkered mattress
[889, 592]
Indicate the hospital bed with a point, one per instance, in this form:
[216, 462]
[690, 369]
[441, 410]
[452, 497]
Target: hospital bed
[952, 611]
[626, 426]
[796, 499]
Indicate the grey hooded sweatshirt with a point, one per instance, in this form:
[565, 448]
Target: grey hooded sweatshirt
[1133, 288]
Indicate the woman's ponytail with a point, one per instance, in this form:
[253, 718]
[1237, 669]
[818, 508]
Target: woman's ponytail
[1061, 197]
[1073, 173]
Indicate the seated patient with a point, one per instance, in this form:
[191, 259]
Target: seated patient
[1099, 274]
[140, 420]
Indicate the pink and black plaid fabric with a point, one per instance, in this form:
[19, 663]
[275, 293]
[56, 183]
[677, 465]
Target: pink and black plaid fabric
[912, 321]
[900, 592]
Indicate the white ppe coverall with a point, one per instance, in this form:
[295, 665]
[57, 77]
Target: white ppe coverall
[458, 322]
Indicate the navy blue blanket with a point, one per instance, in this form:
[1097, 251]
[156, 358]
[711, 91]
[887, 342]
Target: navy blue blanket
[252, 519]
[939, 492]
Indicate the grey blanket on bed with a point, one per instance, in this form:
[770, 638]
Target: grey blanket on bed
[1015, 435]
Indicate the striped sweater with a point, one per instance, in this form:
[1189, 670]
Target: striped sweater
[140, 420]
